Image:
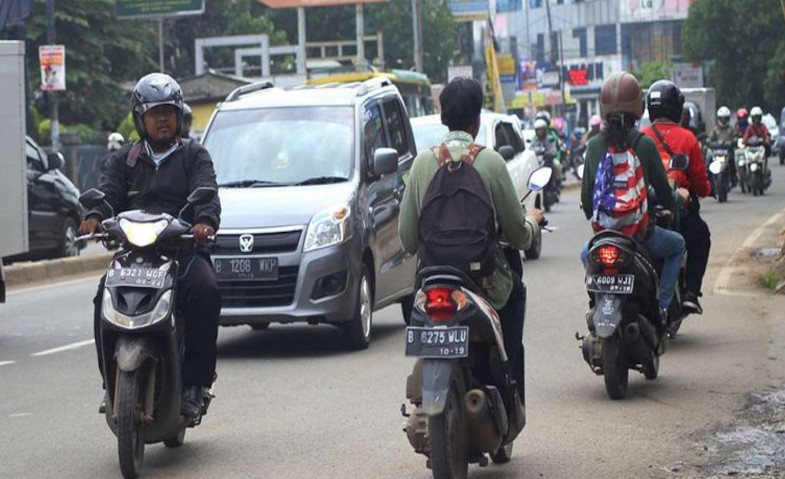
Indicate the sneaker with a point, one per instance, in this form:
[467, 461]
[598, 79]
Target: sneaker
[690, 304]
[191, 405]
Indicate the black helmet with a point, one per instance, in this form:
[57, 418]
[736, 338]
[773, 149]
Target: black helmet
[187, 114]
[154, 90]
[665, 100]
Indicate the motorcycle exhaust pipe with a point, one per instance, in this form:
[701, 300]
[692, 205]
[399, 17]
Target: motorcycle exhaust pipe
[482, 427]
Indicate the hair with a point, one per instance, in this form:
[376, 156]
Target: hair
[461, 103]
[617, 131]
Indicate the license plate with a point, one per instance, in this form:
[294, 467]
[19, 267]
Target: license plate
[136, 277]
[610, 283]
[437, 343]
[246, 269]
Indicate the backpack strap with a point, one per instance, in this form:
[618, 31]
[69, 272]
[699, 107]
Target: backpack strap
[662, 140]
[443, 154]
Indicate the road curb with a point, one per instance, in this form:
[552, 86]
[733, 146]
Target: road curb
[55, 269]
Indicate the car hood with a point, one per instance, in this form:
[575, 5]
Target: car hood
[279, 206]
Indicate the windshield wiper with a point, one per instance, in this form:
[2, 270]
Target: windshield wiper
[321, 180]
[251, 184]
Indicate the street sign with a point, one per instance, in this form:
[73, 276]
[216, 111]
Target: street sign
[158, 8]
[314, 3]
[578, 77]
[468, 10]
[456, 71]
[685, 75]
[52, 60]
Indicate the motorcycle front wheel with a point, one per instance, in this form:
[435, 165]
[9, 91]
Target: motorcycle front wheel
[614, 367]
[130, 437]
[449, 438]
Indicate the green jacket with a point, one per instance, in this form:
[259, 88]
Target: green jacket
[653, 172]
[517, 230]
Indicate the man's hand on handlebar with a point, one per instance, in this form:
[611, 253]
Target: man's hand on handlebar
[537, 215]
[203, 233]
[89, 226]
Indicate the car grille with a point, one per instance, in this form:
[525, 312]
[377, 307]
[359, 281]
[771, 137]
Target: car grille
[260, 294]
[284, 242]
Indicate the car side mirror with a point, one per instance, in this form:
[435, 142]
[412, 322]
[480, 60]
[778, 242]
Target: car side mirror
[385, 161]
[507, 152]
[55, 160]
[92, 198]
[202, 195]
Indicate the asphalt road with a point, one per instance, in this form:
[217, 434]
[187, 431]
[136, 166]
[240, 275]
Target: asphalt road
[292, 404]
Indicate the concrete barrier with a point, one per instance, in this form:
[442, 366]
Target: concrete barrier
[54, 269]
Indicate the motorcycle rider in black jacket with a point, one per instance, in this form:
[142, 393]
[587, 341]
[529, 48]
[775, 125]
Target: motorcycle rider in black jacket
[156, 174]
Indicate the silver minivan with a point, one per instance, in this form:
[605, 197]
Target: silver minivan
[311, 180]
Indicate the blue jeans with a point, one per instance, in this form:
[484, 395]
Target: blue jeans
[668, 246]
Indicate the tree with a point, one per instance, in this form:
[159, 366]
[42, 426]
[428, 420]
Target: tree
[652, 72]
[744, 41]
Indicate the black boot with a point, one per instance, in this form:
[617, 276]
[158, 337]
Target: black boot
[192, 402]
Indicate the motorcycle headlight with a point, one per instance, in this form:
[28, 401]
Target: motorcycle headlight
[142, 234]
[328, 227]
[158, 313]
[742, 163]
[753, 167]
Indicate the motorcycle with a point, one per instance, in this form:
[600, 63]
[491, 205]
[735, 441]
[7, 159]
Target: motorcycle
[141, 332]
[757, 174]
[718, 168]
[551, 191]
[624, 320]
[466, 404]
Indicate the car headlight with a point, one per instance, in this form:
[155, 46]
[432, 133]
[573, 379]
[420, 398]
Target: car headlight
[159, 312]
[142, 234]
[328, 227]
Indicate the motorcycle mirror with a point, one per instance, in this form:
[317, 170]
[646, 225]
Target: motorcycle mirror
[202, 195]
[716, 167]
[580, 171]
[539, 178]
[92, 198]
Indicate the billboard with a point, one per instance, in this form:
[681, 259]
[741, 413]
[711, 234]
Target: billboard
[653, 10]
[158, 8]
[314, 3]
[52, 60]
[468, 10]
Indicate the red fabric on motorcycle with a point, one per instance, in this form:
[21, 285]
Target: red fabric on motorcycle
[457, 225]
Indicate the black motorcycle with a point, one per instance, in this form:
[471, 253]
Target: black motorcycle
[141, 332]
[550, 194]
[466, 404]
[718, 161]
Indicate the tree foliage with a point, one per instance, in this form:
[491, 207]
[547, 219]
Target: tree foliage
[743, 42]
[652, 72]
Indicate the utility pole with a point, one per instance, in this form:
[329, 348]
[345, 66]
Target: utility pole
[554, 53]
[161, 44]
[51, 95]
[301, 48]
[360, 37]
[782, 4]
[417, 28]
[561, 72]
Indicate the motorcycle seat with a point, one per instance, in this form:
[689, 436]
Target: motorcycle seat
[446, 274]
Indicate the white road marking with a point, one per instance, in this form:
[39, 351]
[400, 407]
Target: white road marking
[32, 289]
[6, 363]
[67, 347]
[721, 285]
[21, 414]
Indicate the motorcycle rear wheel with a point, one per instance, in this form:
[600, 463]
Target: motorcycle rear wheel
[130, 436]
[449, 451]
[615, 367]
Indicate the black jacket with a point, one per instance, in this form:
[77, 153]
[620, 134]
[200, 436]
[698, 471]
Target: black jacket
[139, 184]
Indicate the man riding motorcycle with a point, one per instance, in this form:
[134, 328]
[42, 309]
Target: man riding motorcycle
[725, 134]
[622, 105]
[742, 121]
[461, 102]
[595, 127]
[757, 129]
[543, 140]
[156, 174]
[665, 103]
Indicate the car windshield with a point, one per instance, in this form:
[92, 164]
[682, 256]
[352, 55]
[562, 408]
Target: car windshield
[427, 136]
[282, 146]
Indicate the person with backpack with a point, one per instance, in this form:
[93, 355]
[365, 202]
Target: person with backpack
[156, 174]
[665, 103]
[462, 190]
[621, 165]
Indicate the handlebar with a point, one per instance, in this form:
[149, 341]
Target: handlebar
[106, 236]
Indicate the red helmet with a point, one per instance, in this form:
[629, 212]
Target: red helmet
[742, 113]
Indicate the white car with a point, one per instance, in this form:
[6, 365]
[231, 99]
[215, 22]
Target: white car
[496, 131]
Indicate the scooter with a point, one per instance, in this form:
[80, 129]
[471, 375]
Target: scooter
[757, 173]
[466, 404]
[718, 168]
[141, 332]
[550, 194]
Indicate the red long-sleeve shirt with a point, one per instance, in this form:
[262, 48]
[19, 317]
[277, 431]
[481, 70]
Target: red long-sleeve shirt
[760, 131]
[682, 141]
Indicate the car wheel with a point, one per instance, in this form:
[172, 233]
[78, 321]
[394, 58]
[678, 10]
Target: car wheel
[357, 331]
[68, 244]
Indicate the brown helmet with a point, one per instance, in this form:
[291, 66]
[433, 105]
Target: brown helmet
[621, 94]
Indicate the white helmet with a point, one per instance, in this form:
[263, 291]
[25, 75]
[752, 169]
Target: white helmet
[540, 123]
[723, 115]
[756, 111]
[115, 142]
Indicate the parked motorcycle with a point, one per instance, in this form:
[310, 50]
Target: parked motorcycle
[141, 332]
[719, 157]
[466, 404]
[550, 194]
